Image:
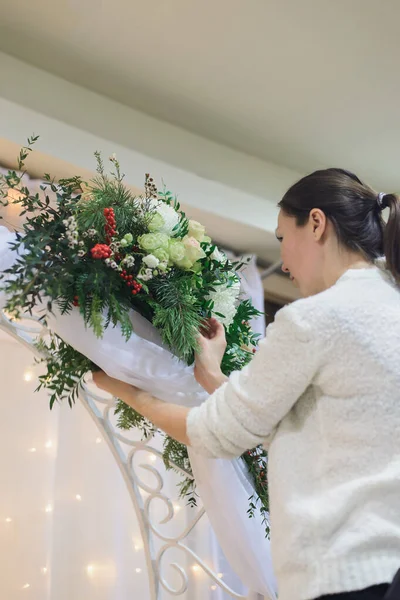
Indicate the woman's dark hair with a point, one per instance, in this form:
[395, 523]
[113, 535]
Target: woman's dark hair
[354, 209]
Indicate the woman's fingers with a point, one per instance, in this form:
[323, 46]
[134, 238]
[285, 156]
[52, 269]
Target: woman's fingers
[211, 328]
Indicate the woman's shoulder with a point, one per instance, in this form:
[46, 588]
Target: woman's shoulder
[307, 316]
[356, 290]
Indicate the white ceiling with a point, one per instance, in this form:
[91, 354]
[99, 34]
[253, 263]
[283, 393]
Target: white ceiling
[305, 83]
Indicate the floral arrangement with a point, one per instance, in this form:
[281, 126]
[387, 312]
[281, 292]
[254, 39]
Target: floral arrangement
[104, 251]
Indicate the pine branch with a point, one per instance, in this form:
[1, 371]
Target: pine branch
[96, 316]
[177, 314]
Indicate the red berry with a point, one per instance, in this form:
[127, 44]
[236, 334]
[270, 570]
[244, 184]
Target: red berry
[100, 251]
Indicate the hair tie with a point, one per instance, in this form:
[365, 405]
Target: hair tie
[379, 200]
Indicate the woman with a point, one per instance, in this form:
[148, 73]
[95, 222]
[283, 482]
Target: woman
[322, 394]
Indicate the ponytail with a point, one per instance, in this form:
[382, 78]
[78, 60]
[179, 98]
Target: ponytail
[391, 235]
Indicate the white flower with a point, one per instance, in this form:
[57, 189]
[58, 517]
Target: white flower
[225, 300]
[70, 223]
[148, 274]
[113, 264]
[81, 253]
[219, 256]
[168, 214]
[151, 261]
[108, 261]
[128, 261]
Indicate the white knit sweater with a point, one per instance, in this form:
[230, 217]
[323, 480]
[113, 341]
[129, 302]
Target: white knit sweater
[323, 396]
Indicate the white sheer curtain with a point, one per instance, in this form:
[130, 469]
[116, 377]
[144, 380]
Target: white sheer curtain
[68, 530]
[252, 288]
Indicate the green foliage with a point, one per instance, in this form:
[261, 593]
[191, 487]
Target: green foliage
[256, 461]
[175, 454]
[69, 275]
[241, 340]
[128, 418]
[177, 314]
[66, 369]
[182, 227]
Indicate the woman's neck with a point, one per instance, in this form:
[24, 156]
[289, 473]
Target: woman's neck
[336, 269]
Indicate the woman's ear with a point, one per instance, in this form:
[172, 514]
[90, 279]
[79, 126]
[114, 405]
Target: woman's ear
[318, 223]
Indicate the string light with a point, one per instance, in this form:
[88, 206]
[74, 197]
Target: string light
[213, 587]
[90, 570]
[44, 570]
[26, 586]
[49, 508]
[78, 497]
[220, 575]
[98, 440]
[49, 444]
[28, 376]
[196, 568]
[32, 449]
[177, 508]
[137, 544]
[138, 570]
[153, 457]
[8, 520]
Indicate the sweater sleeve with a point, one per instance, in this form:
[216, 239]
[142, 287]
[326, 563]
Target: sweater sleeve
[246, 410]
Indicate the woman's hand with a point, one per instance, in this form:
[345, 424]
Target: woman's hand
[212, 342]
